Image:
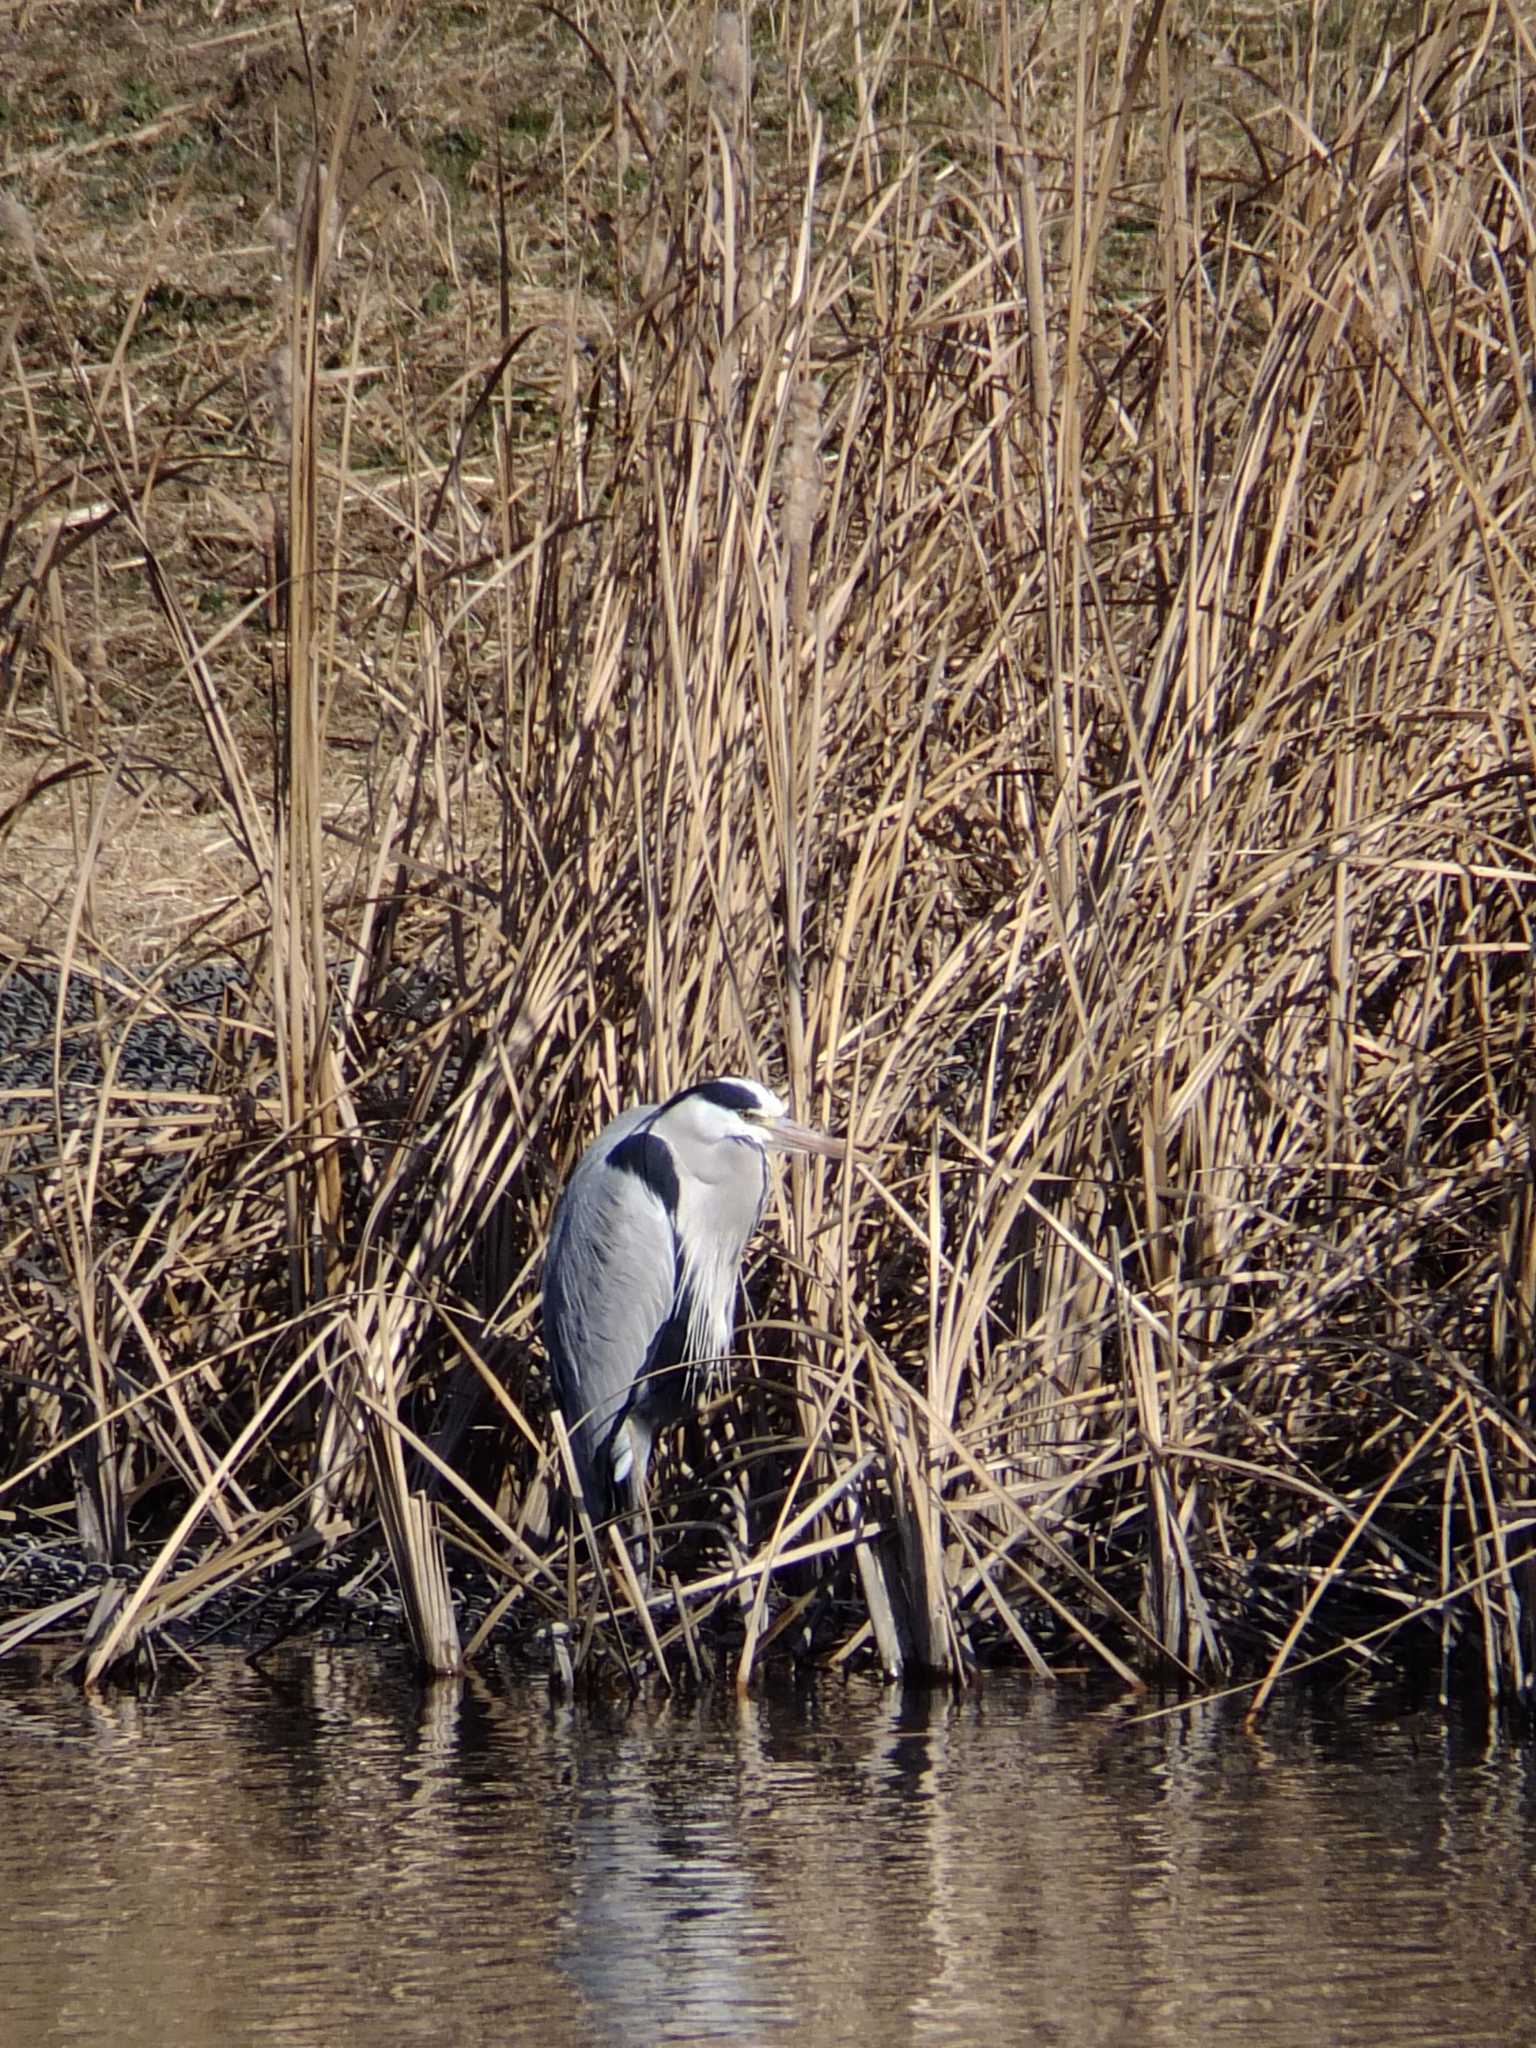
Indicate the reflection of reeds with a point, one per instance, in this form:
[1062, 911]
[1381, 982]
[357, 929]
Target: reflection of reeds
[1020, 634]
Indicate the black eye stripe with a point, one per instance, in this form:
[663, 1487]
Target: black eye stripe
[724, 1095]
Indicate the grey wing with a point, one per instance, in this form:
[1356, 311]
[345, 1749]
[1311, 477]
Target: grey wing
[610, 1280]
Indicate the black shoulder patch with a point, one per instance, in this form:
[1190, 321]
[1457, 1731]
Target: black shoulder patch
[649, 1159]
[724, 1095]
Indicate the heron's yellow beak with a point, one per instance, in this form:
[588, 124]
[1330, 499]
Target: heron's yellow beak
[789, 1136]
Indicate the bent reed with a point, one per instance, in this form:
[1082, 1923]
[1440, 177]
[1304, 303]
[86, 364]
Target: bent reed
[976, 563]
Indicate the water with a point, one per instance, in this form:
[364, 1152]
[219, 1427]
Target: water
[340, 1858]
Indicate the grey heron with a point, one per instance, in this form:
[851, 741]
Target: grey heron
[643, 1268]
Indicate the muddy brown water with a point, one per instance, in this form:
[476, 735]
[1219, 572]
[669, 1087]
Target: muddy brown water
[334, 1856]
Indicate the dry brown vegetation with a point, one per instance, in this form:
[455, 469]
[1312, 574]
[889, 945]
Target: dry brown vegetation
[976, 560]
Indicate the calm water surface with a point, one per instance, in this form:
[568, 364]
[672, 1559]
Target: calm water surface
[334, 1857]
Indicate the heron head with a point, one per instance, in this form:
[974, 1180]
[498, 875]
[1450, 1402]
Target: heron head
[735, 1108]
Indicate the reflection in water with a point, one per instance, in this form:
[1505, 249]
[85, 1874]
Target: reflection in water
[344, 1858]
[664, 1923]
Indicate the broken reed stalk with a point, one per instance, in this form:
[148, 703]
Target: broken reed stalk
[1025, 636]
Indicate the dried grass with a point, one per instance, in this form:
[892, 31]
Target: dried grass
[983, 573]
